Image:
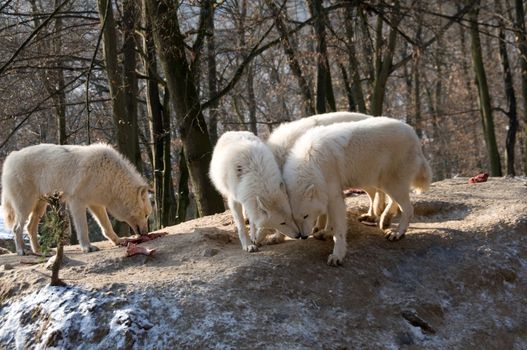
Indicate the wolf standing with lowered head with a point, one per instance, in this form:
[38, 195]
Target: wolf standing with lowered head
[244, 170]
[376, 153]
[94, 177]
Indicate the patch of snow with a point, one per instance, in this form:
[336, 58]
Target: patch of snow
[64, 317]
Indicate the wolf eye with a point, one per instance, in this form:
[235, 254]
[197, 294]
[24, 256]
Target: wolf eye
[283, 223]
[305, 216]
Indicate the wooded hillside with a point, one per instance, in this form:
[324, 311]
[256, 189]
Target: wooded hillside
[162, 79]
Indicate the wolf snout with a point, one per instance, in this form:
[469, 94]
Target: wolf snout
[299, 235]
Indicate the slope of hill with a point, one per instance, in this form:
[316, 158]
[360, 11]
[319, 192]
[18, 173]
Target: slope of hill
[457, 280]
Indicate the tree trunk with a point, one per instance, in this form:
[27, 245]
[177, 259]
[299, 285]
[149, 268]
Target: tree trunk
[383, 64]
[251, 100]
[522, 44]
[159, 122]
[356, 87]
[170, 46]
[483, 94]
[325, 96]
[212, 78]
[294, 64]
[508, 82]
[348, 86]
[169, 201]
[59, 97]
[183, 195]
[53, 79]
[113, 71]
[130, 138]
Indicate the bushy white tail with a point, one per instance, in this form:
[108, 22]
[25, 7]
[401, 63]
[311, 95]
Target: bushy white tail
[423, 178]
[9, 213]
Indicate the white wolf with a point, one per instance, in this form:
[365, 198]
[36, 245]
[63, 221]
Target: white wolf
[284, 137]
[243, 170]
[376, 153]
[94, 177]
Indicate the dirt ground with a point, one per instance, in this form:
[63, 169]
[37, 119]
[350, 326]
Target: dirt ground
[457, 280]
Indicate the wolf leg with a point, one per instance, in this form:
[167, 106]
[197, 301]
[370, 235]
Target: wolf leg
[320, 227]
[337, 217]
[237, 214]
[101, 216]
[388, 214]
[36, 215]
[401, 197]
[323, 228]
[18, 231]
[21, 213]
[370, 217]
[78, 213]
[379, 203]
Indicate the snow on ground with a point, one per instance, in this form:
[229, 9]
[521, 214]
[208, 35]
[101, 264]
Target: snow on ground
[4, 232]
[58, 317]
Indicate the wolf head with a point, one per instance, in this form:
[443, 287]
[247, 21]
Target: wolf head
[274, 211]
[135, 211]
[307, 204]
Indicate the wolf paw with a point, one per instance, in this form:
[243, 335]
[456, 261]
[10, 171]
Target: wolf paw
[393, 235]
[368, 219]
[90, 248]
[333, 260]
[322, 235]
[274, 238]
[251, 248]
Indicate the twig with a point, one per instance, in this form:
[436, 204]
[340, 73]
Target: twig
[31, 36]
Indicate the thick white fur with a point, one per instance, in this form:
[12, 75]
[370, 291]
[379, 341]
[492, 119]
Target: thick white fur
[284, 137]
[376, 154]
[94, 177]
[244, 171]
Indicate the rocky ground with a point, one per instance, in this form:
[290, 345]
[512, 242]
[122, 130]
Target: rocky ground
[457, 280]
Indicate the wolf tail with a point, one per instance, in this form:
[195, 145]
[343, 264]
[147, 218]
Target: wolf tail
[423, 178]
[9, 212]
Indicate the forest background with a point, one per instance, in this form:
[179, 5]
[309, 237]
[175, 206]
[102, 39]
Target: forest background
[161, 80]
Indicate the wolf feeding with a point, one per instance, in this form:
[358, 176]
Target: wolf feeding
[94, 177]
[244, 171]
[374, 154]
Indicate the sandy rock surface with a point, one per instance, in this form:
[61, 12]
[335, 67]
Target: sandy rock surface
[457, 280]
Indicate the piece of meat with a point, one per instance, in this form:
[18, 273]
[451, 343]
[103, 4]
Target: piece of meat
[134, 249]
[142, 238]
[478, 178]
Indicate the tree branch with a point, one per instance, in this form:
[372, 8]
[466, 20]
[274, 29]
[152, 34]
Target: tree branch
[37, 108]
[31, 36]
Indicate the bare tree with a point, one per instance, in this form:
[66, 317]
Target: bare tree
[508, 84]
[171, 49]
[160, 133]
[325, 96]
[483, 94]
[522, 44]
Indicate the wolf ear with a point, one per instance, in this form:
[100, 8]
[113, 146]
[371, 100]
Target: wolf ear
[310, 191]
[261, 205]
[143, 192]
